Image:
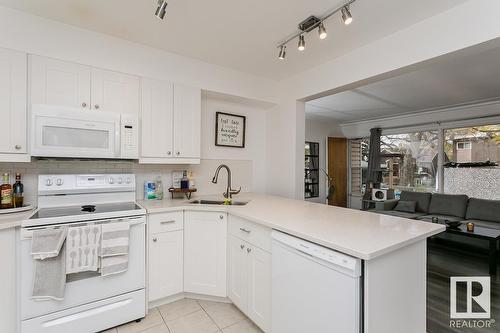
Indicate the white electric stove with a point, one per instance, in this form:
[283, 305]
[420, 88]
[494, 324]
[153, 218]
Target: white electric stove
[91, 303]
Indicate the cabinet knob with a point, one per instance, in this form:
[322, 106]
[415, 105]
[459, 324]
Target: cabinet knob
[249, 250]
[169, 153]
[221, 217]
[178, 153]
[18, 147]
[155, 239]
[242, 246]
[96, 106]
[84, 105]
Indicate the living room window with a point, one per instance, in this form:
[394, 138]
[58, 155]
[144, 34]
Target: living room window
[409, 161]
[471, 161]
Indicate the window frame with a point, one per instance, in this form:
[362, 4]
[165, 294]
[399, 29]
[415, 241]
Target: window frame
[440, 127]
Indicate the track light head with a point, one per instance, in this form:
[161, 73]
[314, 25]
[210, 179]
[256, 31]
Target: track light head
[322, 31]
[161, 10]
[282, 53]
[346, 15]
[302, 43]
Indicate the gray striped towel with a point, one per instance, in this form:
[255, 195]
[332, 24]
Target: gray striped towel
[114, 248]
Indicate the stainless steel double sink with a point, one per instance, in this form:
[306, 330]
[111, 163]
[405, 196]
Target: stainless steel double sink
[217, 202]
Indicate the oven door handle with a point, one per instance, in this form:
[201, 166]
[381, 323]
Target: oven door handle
[27, 233]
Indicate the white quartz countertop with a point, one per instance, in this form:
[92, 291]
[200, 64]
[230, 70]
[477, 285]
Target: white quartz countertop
[14, 219]
[361, 234]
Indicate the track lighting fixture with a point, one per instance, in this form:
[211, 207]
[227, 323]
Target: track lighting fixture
[302, 43]
[313, 22]
[346, 15]
[161, 10]
[322, 31]
[282, 53]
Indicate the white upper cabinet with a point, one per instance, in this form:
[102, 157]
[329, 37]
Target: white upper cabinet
[13, 110]
[205, 236]
[171, 123]
[187, 121]
[115, 92]
[157, 117]
[61, 83]
[57, 82]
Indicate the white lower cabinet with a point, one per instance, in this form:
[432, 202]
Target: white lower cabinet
[205, 237]
[8, 297]
[166, 255]
[165, 264]
[259, 288]
[250, 280]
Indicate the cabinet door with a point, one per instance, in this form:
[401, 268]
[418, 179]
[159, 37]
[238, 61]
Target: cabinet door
[187, 121]
[8, 285]
[157, 117]
[205, 253]
[13, 111]
[165, 264]
[238, 273]
[115, 92]
[259, 287]
[56, 82]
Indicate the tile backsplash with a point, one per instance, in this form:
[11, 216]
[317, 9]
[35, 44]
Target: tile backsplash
[203, 173]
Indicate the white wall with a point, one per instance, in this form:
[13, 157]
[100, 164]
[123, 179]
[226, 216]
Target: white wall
[255, 138]
[317, 130]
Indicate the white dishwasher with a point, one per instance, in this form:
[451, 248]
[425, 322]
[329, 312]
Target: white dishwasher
[314, 289]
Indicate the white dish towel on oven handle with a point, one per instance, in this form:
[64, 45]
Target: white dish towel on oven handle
[115, 248]
[82, 248]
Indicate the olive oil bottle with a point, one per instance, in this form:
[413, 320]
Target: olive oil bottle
[18, 190]
[6, 193]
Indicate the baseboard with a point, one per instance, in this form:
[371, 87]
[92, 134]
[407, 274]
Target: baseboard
[179, 296]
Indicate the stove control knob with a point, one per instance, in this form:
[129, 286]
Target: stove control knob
[111, 180]
[120, 180]
[48, 182]
[127, 180]
[59, 182]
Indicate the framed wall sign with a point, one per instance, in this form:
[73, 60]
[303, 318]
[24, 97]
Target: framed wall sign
[229, 130]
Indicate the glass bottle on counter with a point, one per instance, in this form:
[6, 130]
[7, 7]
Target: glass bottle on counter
[6, 193]
[159, 188]
[18, 192]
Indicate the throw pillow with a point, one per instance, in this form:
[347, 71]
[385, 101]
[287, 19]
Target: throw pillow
[406, 206]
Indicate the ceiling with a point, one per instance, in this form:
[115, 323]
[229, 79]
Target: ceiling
[239, 34]
[453, 80]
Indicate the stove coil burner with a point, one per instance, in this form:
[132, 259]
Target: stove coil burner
[88, 208]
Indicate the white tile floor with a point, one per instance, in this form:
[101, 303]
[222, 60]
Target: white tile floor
[191, 316]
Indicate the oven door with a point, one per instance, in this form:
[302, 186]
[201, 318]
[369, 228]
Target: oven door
[63, 132]
[87, 287]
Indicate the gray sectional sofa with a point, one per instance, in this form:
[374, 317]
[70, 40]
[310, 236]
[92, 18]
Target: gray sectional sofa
[424, 206]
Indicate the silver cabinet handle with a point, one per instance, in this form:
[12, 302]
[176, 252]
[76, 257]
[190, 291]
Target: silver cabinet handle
[155, 239]
[84, 104]
[96, 106]
[242, 246]
[169, 153]
[166, 222]
[246, 230]
[249, 250]
[18, 147]
[178, 153]
[221, 217]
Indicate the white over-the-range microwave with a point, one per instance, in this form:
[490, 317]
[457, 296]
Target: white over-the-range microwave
[67, 132]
